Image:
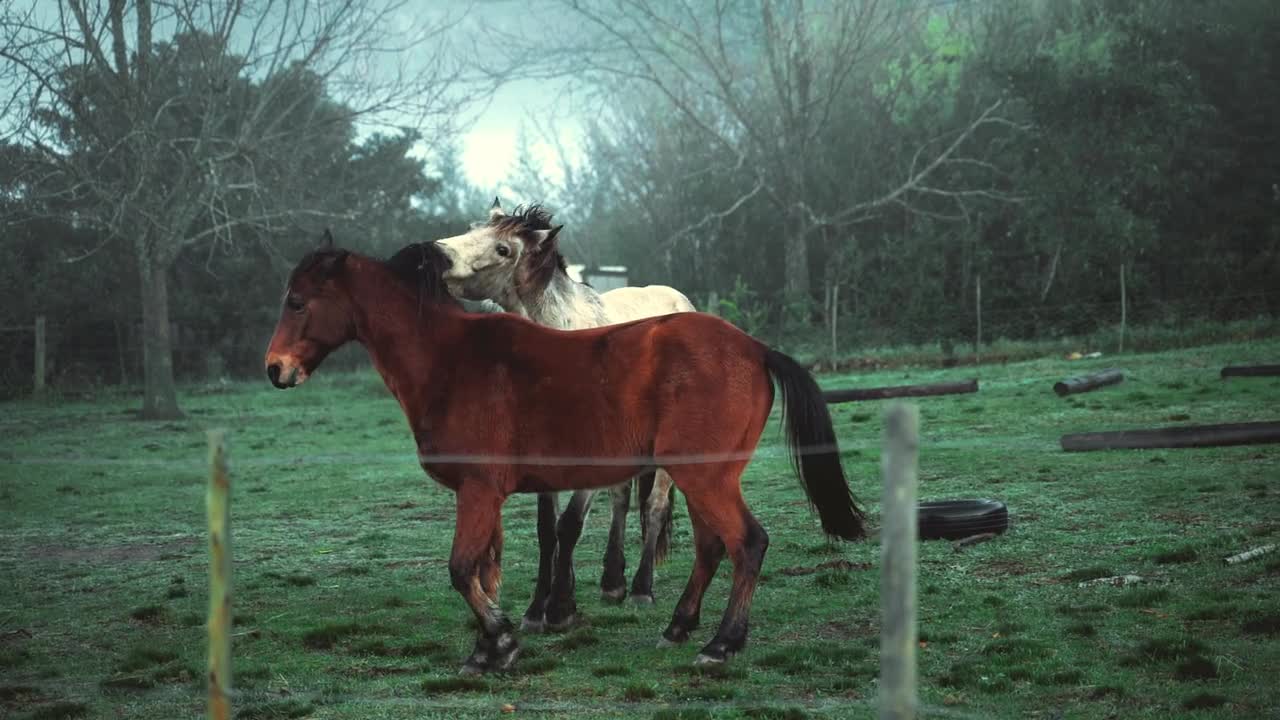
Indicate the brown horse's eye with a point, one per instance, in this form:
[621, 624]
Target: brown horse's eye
[294, 303]
[502, 250]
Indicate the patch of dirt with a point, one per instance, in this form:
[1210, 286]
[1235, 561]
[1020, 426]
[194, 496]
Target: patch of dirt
[845, 630]
[374, 671]
[1183, 518]
[415, 563]
[126, 553]
[9, 636]
[829, 565]
[999, 568]
[433, 516]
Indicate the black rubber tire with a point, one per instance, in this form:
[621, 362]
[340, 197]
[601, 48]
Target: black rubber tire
[955, 519]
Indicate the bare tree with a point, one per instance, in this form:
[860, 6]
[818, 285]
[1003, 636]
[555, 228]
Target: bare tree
[765, 81]
[167, 124]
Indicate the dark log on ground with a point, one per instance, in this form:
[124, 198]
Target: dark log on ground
[1250, 371]
[1085, 383]
[880, 393]
[1251, 433]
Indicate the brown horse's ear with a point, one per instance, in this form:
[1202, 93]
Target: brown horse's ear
[495, 210]
[546, 239]
[331, 264]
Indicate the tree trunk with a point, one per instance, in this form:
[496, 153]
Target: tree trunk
[160, 396]
[796, 268]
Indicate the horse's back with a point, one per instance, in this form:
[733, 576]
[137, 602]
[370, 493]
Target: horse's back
[635, 303]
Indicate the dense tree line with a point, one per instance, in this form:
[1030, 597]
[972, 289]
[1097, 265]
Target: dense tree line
[906, 153]
[793, 158]
[145, 141]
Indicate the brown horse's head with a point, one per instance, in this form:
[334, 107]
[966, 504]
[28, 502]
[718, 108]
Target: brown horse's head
[316, 318]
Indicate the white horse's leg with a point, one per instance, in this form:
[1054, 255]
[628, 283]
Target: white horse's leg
[562, 608]
[613, 582]
[656, 529]
[547, 512]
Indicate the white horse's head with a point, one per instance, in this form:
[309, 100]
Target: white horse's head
[493, 258]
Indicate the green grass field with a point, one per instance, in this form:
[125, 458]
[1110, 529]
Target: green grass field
[343, 607]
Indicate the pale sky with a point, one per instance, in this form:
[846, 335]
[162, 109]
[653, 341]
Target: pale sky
[488, 149]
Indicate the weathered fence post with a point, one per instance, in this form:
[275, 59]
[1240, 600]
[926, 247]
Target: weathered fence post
[1124, 309]
[713, 303]
[977, 342]
[39, 355]
[898, 565]
[835, 316]
[218, 502]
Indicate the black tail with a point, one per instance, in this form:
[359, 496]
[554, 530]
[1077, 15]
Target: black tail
[814, 453]
[644, 488]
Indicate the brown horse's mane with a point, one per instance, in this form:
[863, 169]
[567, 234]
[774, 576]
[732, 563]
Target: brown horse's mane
[419, 266]
[543, 260]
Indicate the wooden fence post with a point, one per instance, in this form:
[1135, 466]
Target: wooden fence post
[835, 316]
[898, 565]
[977, 343]
[39, 354]
[1124, 309]
[713, 303]
[218, 503]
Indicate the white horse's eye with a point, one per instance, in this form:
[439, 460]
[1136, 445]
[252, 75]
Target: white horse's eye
[502, 250]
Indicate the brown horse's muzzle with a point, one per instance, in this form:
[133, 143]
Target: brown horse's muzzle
[285, 371]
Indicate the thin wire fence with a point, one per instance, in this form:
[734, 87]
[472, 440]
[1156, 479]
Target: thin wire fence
[80, 357]
[843, 707]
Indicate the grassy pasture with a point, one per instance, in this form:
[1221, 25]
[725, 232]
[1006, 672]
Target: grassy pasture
[343, 607]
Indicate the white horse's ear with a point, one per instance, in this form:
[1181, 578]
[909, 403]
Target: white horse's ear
[495, 210]
[546, 238]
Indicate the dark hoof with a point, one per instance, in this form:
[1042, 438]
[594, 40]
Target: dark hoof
[561, 615]
[613, 597]
[500, 663]
[561, 624]
[492, 654]
[704, 660]
[533, 625]
[504, 662]
[673, 636]
[715, 653]
[644, 600]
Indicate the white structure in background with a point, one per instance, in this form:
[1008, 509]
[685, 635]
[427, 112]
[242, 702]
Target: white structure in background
[603, 278]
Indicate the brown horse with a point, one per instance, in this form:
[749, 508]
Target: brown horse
[499, 405]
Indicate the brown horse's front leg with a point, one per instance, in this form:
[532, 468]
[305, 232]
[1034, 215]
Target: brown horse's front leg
[479, 518]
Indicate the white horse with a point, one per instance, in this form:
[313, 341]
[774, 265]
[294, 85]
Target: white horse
[529, 278]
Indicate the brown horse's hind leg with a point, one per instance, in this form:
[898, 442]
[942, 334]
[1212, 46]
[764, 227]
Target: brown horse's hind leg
[657, 517]
[709, 550]
[479, 517]
[747, 550]
[613, 581]
[547, 513]
[715, 496]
